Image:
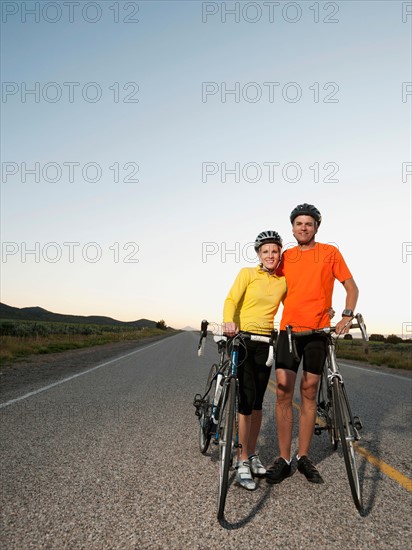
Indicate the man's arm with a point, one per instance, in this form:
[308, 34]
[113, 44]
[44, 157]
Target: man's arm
[352, 293]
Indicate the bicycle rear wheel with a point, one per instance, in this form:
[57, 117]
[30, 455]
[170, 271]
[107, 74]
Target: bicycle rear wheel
[226, 443]
[205, 419]
[325, 407]
[347, 439]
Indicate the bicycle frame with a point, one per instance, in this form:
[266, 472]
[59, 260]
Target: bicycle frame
[221, 383]
[333, 404]
[234, 361]
[228, 426]
[333, 373]
[222, 413]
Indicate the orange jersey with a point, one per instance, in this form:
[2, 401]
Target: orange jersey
[310, 276]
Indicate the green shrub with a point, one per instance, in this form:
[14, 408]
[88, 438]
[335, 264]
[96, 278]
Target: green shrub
[376, 338]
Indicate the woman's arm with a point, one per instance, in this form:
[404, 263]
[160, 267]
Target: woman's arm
[232, 300]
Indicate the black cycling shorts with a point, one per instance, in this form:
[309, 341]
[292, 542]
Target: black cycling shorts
[312, 349]
[253, 375]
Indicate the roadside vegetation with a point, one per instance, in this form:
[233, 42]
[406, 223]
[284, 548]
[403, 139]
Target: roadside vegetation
[21, 338]
[392, 352]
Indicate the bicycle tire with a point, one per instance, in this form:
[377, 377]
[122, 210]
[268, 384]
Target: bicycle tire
[226, 443]
[325, 407]
[205, 418]
[347, 437]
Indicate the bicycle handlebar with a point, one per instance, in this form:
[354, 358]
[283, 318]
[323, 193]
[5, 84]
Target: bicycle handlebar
[255, 338]
[202, 341]
[327, 330]
[271, 340]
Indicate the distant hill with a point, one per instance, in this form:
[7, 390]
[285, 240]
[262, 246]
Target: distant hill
[190, 328]
[40, 314]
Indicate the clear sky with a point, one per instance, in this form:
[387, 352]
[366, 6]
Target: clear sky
[146, 144]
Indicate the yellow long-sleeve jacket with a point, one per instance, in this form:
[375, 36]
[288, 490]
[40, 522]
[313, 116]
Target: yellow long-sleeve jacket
[254, 299]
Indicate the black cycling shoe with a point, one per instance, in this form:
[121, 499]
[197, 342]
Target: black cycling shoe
[306, 468]
[279, 471]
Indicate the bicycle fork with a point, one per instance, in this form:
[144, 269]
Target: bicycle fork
[216, 407]
[219, 407]
[334, 373]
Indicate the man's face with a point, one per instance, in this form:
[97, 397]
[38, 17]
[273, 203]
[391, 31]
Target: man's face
[304, 229]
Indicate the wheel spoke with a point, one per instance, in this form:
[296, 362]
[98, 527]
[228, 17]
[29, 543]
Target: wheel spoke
[347, 439]
[325, 408]
[205, 417]
[226, 443]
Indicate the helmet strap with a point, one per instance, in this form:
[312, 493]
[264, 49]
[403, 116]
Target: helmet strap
[270, 271]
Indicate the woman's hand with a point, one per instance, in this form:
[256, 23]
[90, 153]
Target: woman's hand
[229, 329]
[331, 313]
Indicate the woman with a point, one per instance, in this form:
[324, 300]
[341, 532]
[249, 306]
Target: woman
[251, 306]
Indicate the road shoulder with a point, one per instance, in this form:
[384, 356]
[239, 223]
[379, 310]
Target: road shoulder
[35, 371]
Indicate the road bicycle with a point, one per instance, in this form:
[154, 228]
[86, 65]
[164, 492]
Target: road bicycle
[217, 408]
[334, 413]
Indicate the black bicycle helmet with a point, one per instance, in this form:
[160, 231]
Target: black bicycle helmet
[306, 209]
[268, 237]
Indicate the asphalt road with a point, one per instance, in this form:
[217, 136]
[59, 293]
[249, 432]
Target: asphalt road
[109, 459]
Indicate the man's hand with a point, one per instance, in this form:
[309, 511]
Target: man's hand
[230, 329]
[343, 326]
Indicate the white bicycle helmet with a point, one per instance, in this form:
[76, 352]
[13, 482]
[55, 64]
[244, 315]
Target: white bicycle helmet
[266, 237]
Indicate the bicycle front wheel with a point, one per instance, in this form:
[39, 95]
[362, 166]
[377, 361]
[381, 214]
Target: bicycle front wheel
[347, 439]
[205, 420]
[226, 443]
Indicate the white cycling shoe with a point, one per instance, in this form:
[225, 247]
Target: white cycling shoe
[256, 466]
[244, 475]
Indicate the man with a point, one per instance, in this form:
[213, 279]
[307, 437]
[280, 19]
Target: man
[310, 269]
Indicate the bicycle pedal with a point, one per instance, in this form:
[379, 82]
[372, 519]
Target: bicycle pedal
[197, 401]
[357, 423]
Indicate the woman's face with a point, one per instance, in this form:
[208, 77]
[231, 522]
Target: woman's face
[269, 255]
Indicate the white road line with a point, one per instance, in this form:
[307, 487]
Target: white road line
[371, 371]
[44, 388]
